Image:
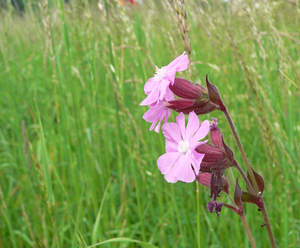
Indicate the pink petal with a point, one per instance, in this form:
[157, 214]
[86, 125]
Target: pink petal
[150, 85]
[163, 87]
[180, 63]
[172, 132]
[201, 132]
[166, 161]
[196, 159]
[183, 170]
[169, 95]
[151, 98]
[171, 146]
[157, 114]
[170, 178]
[157, 128]
[192, 126]
[180, 119]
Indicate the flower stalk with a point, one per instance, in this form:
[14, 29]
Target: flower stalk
[248, 230]
[250, 171]
[241, 149]
[187, 158]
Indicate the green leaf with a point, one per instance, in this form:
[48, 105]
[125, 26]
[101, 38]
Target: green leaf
[123, 239]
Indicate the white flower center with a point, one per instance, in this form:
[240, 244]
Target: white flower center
[159, 74]
[183, 146]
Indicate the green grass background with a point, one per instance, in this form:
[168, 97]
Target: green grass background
[77, 161]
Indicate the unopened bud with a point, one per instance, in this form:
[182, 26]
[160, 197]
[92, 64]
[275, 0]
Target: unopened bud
[215, 158]
[214, 95]
[186, 89]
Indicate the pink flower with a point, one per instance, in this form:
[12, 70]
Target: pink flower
[157, 87]
[158, 112]
[181, 161]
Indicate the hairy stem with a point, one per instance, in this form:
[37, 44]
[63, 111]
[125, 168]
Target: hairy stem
[236, 165]
[247, 230]
[268, 225]
[249, 169]
[240, 146]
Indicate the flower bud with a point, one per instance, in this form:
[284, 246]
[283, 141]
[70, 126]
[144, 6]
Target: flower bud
[186, 89]
[215, 159]
[214, 95]
[186, 106]
[181, 105]
[218, 156]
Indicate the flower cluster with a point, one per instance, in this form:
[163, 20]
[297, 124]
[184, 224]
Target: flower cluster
[158, 91]
[187, 158]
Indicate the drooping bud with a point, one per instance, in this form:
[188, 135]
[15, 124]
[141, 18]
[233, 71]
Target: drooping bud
[214, 95]
[216, 137]
[205, 180]
[216, 184]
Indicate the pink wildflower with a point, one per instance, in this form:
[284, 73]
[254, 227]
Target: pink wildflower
[157, 87]
[181, 161]
[158, 112]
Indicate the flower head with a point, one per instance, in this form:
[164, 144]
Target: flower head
[158, 111]
[157, 87]
[181, 161]
[215, 207]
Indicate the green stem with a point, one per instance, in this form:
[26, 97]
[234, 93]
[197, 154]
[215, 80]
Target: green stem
[198, 216]
[247, 230]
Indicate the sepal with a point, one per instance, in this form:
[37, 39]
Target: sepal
[260, 182]
[247, 197]
[238, 197]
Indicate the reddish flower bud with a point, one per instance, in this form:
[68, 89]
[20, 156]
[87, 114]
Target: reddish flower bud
[214, 95]
[218, 156]
[207, 108]
[216, 137]
[215, 159]
[204, 179]
[186, 89]
[180, 105]
[186, 106]
[195, 98]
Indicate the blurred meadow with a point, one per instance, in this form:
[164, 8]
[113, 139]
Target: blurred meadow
[77, 161]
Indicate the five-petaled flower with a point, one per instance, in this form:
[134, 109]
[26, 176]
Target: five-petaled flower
[158, 91]
[181, 161]
[157, 87]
